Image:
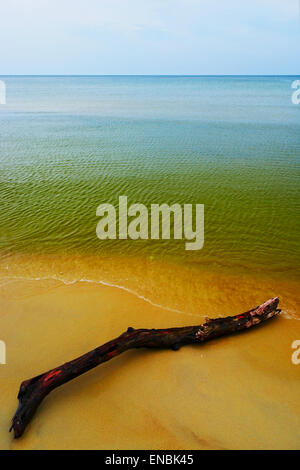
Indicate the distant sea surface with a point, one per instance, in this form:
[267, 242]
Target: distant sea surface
[231, 143]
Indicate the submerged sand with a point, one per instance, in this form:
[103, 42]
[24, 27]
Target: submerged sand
[238, 392]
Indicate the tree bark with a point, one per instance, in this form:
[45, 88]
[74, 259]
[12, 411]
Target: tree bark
[33, 391]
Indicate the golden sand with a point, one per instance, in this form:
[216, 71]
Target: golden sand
[238, 392]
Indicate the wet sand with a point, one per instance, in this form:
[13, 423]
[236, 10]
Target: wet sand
[238, 392]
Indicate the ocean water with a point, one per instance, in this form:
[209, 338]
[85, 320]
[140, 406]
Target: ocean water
[68, 144]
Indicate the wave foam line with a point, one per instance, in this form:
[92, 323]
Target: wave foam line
[289, 315]
[104, 283]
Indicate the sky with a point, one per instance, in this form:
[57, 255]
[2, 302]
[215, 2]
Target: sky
[150, 37]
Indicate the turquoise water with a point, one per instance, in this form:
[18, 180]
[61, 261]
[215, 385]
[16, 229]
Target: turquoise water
[69, 144]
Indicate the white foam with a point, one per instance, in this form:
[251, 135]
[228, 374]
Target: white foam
[289, 315]
[286, 314]
[104, 283]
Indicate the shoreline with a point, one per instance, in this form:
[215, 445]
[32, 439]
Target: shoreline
[185, 289]
[196, 398]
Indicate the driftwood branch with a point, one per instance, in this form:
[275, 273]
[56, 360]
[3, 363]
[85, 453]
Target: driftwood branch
[33, 391]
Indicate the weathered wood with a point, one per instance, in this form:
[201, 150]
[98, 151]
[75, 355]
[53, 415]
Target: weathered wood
[34, 390]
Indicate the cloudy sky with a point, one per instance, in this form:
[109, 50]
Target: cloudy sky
[149, 37]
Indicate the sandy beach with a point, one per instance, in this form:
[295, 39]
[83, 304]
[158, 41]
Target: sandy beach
[238, 392]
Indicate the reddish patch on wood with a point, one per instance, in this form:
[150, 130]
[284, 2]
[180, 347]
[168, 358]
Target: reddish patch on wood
[51, 375]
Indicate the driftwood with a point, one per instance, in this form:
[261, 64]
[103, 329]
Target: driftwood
[33, 391]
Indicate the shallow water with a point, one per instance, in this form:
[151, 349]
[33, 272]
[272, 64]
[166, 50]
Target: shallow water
[69, 144]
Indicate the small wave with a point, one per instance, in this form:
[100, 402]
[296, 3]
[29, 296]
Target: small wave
[289, 315]
[104, 283]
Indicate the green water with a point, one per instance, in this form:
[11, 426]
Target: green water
[69, 144]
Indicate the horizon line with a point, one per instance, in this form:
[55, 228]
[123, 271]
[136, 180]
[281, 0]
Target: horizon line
[147, 75]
